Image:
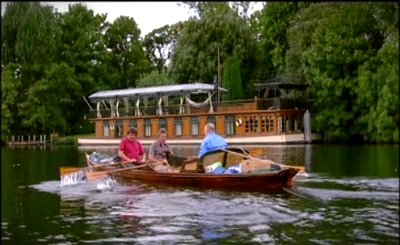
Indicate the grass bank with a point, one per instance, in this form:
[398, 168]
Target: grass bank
[71, 139]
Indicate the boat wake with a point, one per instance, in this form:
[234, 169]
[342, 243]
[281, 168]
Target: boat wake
[348, 188]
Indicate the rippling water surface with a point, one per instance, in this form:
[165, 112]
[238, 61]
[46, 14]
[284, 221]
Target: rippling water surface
[323, 209]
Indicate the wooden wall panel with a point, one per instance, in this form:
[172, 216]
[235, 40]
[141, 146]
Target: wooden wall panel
[99, 129]
[154, 127]
[186, 127]
[202, 124]
[140, 127]
[125, 127]
[170, 127]
[220, 125]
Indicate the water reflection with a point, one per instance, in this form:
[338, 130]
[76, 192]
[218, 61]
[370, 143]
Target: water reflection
[144, 214]
[350, 196]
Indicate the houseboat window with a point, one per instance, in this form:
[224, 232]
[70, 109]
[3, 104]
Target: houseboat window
[229, 125]
[178, 127]
[271, 123]
[212, 120]
[288, 125]
[264, 124]
[280, 129]
[133, 124]
[195, 125]
[118, 128]
[147, 128]
[251, 124]
[162, 123]
[106, 129]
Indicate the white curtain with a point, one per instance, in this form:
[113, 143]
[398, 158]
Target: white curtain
[181, 107]
[112, 107]
[116, 108]
[159, 109]
[137, 111]
[98, 110]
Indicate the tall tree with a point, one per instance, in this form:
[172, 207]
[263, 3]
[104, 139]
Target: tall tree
[29, 41]
[337, 59]
[219, 28]
[274, 22]
[160, 43]
[378, 81]
[232, 79]
[128, 58]
[10, 87]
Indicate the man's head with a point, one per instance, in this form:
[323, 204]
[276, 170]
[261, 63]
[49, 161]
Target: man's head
[132, 132]
[162, 135]
[209, 128]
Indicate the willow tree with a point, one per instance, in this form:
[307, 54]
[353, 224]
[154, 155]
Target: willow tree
[30, 34]
[219, 28]
[378, 81]
[10, 89]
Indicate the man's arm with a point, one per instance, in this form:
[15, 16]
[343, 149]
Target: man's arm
[203, 148]
[152, 153]
[142, 154]
[125, 157]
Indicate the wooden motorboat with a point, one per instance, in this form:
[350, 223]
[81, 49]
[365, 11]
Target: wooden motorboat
[256, 175]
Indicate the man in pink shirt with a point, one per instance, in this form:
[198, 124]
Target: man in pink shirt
[131, 150]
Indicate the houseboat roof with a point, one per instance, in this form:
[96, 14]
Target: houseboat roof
[279, 85]
[176, 89]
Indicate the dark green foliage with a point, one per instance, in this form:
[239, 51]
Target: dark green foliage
[347, 52]
[154, 78]
[232, 79]
[128, 60]
[219, 27]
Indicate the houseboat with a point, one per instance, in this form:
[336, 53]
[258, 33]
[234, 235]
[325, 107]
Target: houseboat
[184, 110]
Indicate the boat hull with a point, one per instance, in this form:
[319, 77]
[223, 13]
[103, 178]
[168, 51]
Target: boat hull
[273, 182]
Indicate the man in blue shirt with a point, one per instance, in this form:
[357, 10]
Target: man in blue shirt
[211, 141]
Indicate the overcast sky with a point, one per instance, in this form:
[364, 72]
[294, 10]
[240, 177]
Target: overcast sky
[148, 15]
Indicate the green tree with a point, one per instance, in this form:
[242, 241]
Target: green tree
[29, 41]
[274, 22]
[10, 26]
[231, 79]
[128, 58]
[219, 27]
[52, 101]
[159, 45]
[10, 87]
[378, 82]
[343, 42]
[300, 37]
[154, 78]
[82, 48]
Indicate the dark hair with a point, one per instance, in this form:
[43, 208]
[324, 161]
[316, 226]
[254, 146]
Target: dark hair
[132, 131]
[162, 131]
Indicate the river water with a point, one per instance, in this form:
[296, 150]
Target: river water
[350, 196]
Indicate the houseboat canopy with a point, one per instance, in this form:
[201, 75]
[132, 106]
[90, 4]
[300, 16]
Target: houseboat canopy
[156, 91]
[160, 93]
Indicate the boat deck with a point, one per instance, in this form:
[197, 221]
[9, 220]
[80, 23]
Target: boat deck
[273, 139]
